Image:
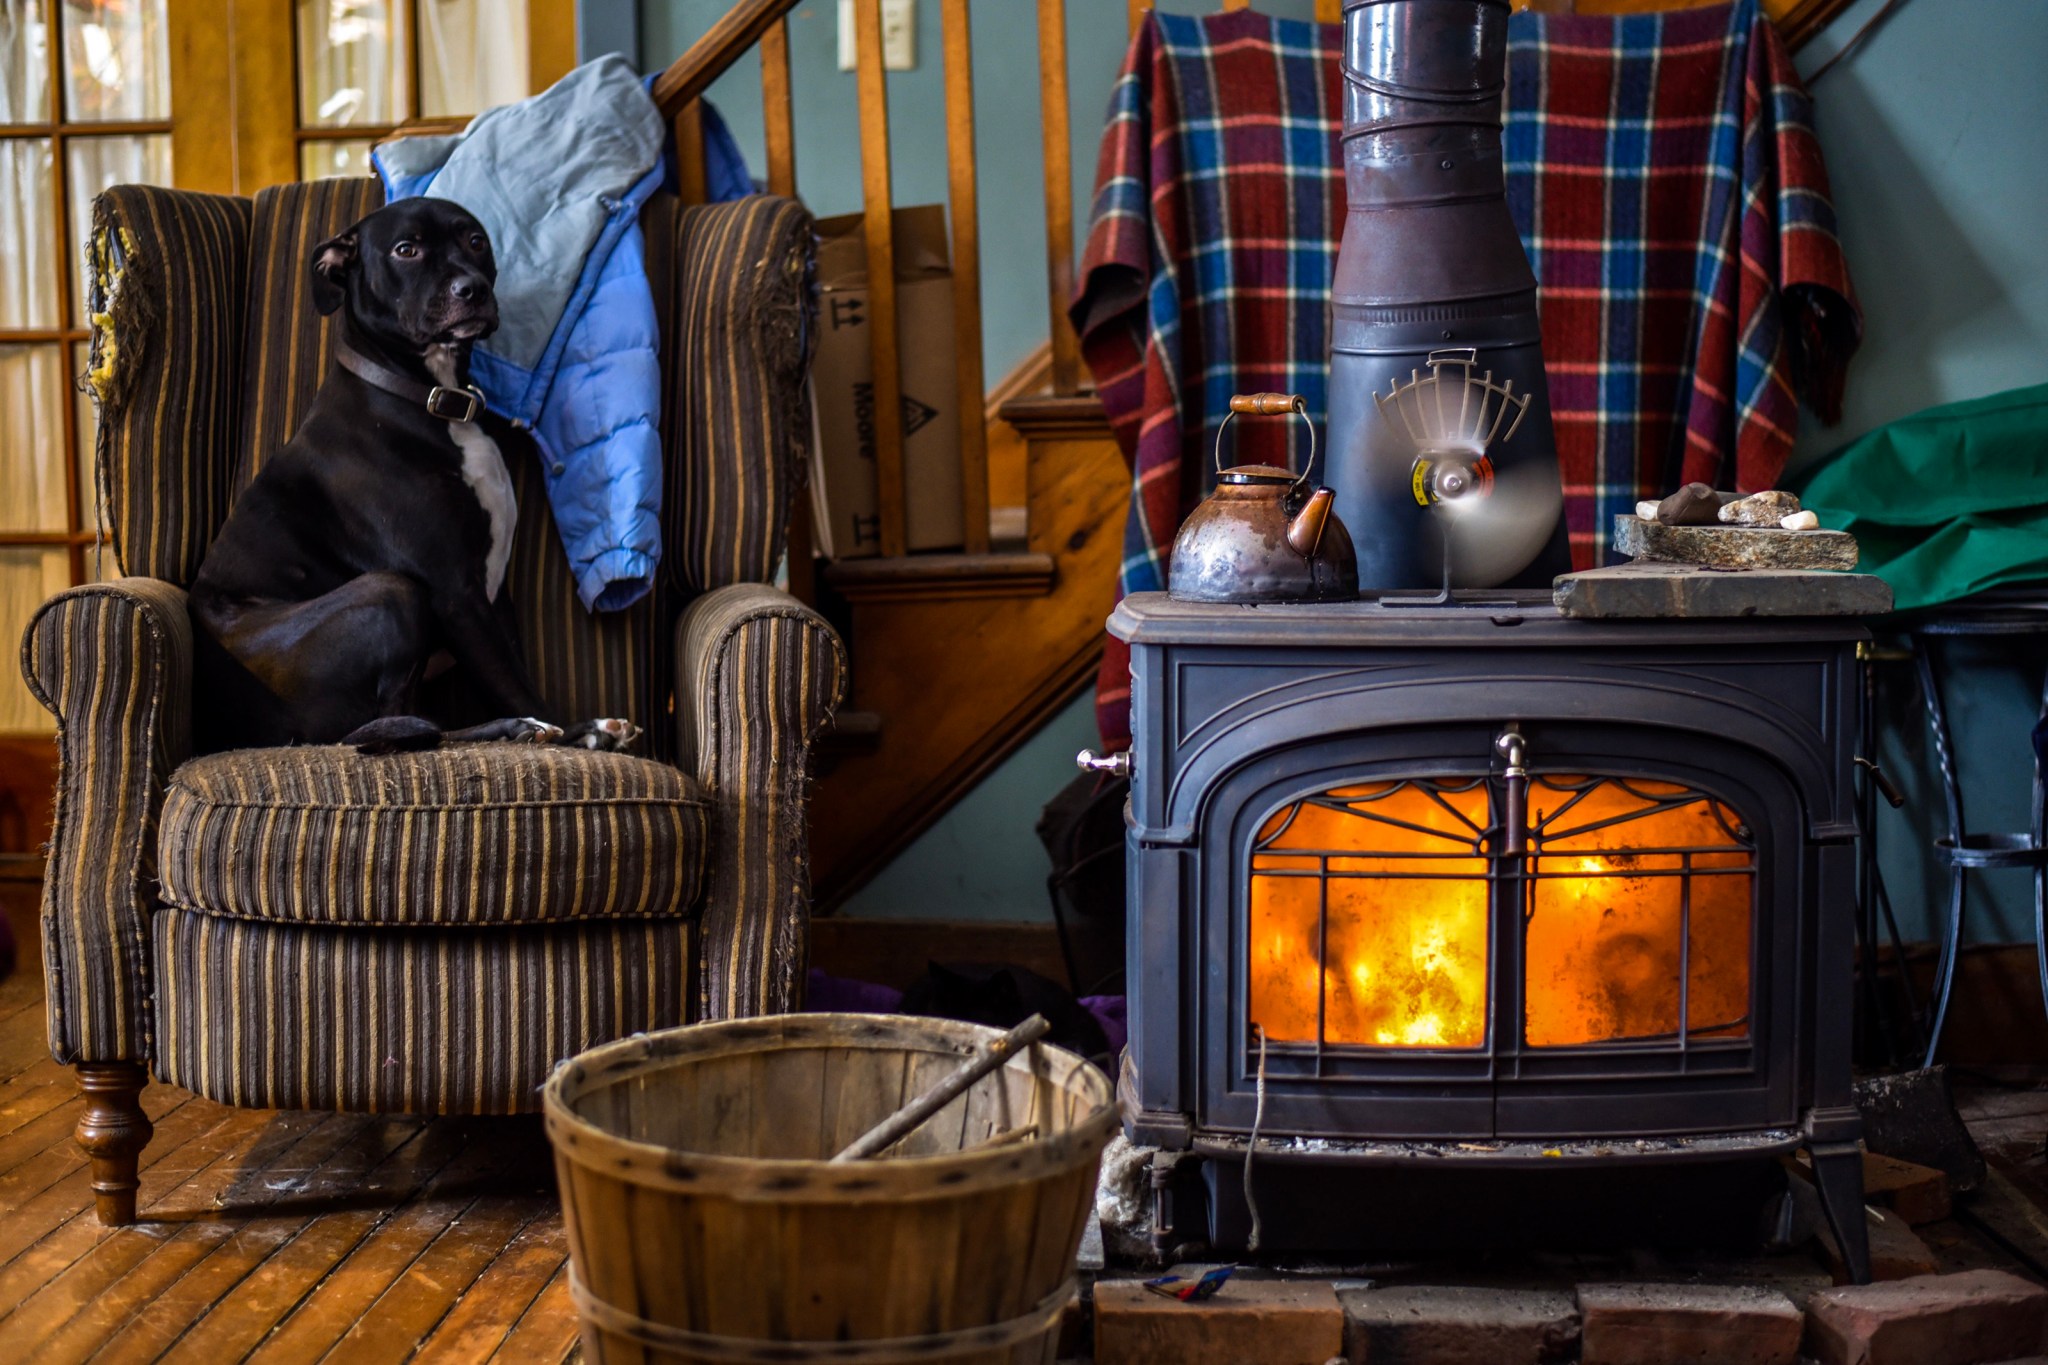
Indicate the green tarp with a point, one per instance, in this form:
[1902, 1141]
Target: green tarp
[1947, 502]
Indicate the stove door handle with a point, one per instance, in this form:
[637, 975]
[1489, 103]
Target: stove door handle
[1113, 765]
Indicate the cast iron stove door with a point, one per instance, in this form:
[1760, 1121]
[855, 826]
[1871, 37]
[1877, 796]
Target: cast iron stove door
[1558, 936]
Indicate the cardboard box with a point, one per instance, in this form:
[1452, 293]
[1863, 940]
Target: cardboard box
[843, 498]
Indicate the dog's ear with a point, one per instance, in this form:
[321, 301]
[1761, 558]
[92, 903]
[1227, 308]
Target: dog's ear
[332, 261]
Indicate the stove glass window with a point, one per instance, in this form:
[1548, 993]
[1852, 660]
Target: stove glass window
[1639, 914]
[1371, 926]
[1369, 921]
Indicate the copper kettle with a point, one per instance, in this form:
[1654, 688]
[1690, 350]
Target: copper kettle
[1262, 536]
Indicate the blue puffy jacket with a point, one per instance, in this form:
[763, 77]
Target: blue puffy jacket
[558, 181]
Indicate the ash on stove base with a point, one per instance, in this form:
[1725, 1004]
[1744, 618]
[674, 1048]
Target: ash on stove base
[1464, 885]
[1716, 1207]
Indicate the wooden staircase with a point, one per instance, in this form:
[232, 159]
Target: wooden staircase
[957, 657]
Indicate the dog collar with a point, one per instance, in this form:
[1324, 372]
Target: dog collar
[450, 405]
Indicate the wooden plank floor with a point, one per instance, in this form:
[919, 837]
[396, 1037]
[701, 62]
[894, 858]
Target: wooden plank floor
[266, 1235]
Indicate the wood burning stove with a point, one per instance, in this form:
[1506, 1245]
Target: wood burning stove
[1477, 887]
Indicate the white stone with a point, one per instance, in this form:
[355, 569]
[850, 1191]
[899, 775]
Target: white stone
[1801, 521]
[1647, 511]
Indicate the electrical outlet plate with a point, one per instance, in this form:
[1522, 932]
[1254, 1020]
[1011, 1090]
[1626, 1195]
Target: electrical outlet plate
[899, 35]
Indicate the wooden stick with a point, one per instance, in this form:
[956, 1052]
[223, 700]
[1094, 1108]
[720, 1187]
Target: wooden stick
[898, 1125]
[777, 122]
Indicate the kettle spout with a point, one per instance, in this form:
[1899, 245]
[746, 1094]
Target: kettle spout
[1305, 531]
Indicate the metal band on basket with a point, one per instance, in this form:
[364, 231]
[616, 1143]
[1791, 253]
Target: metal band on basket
[607, 1317]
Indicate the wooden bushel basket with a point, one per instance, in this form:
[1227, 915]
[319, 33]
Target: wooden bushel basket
[706, 1224]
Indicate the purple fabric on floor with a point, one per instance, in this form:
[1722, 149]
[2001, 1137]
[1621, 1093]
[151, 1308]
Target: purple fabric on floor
[1109, 1012]
[828, 994]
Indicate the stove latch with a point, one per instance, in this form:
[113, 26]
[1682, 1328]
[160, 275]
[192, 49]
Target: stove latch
[1514, 751]
[1117, 764]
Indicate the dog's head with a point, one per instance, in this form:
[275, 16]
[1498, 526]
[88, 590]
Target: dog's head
[414, 274]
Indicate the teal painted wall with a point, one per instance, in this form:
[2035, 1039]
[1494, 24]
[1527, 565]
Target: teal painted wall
[1936, 134]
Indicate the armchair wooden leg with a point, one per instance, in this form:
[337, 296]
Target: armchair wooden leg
[113, 1132]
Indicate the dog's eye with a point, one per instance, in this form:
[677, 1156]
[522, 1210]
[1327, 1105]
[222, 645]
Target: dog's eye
[406, 250]
[478, 242]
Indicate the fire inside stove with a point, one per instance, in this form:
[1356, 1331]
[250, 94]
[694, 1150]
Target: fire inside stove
[1373, 914]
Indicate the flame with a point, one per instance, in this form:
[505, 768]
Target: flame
[1405, 959]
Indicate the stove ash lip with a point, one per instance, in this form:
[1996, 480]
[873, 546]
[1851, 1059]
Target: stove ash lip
[1501, 1153]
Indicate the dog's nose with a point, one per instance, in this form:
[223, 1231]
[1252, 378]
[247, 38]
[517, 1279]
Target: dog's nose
[466, 288]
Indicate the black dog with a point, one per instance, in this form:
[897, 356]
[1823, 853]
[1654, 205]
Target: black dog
[370, 551]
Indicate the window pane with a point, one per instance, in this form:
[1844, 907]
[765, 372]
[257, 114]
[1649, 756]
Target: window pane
[28, 251]
[32, 454]
[116, 65]
[351, 71]
[29, 576]
[24, 62]
[319, 160]
[96, 164]
[473, 55]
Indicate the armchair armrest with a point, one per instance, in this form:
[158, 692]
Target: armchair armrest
[757, 676]
[113, 662]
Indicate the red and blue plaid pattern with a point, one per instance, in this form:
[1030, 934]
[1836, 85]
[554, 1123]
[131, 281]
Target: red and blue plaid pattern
[1669, 189]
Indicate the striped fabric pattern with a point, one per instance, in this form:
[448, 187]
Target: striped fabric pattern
[288, 344]
[429, 1021]
[1662, 169]
[759, 676]
[732, 296]
[113, 662]
[473, 834]
[166, 285]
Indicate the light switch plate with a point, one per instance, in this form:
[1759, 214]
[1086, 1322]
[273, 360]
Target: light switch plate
[899, 35]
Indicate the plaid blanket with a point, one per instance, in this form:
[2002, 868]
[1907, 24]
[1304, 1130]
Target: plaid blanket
[1664, 174]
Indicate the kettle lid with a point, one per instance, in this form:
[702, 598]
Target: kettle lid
[1256, 473]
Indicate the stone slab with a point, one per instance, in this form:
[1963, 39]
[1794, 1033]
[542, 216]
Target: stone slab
[1687, 1324]
[1276, 1322]
[1733, 547]
[1646, 588]
[1455, 1325]
[1965, 1319]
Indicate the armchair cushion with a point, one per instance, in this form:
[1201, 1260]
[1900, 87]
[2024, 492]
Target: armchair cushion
[474, 834]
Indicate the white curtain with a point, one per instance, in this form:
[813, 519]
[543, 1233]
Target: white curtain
[116, 63]
[350, 69]
[473, 55]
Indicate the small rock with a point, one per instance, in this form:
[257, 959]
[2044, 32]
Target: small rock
[1801, 521]
[1760, 509]
[1693, 505]
[1976, 1316]
[1647, 510]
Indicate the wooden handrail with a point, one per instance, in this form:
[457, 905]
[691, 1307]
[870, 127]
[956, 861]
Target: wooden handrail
[738, 29]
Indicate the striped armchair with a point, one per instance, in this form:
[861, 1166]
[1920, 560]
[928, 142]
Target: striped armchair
[428, 933]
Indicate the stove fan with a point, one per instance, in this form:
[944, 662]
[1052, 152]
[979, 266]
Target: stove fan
[1453, 470]
[1491, 520]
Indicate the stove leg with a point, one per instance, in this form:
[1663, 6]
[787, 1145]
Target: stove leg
[1838, 1172]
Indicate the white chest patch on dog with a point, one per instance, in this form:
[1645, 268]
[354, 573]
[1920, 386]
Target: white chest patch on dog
[483, 468]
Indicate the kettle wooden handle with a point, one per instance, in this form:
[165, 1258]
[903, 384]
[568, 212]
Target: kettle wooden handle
[1268, 404]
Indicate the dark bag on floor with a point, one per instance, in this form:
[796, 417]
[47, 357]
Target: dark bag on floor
[1082, 829]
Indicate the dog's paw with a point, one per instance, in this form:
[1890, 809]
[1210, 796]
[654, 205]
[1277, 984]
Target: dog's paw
[527, 730]
[609, 734]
